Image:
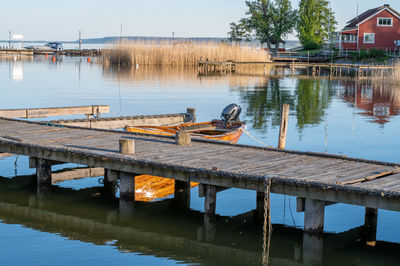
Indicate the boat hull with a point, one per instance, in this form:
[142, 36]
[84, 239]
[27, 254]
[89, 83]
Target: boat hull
[214, 130]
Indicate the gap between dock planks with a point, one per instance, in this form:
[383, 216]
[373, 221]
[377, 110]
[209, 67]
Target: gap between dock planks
[370, 178]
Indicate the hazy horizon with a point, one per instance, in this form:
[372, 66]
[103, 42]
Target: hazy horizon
[49, 20]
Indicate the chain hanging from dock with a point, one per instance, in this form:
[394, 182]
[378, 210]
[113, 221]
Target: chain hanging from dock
[267, 228]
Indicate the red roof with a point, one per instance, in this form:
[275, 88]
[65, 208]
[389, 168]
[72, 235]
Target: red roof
[353, 23]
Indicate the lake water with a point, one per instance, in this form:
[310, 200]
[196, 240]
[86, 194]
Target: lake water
[74, 225]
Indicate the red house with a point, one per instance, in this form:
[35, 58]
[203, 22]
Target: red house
[377, 28]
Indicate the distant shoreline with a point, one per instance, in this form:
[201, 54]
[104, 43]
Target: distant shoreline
[113, 39]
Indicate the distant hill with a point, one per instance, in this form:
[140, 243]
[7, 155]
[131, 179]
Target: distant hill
[144, 38]
[289, 44]
[112, 39]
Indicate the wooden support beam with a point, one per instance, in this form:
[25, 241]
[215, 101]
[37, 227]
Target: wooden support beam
[43, 172]
[201, 188]
[127, 186]
[283, 126]
[300, 207]
[370, 224]
[33, 162]
[314, 216]
[210, 200]
[182, 193]
[260, 205]
[110, 182]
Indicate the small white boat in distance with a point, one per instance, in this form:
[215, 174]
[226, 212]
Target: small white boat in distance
[56, 46]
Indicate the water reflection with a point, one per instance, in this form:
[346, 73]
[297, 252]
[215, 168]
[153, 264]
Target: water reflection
[162, 229]
[308, 99]
[177, 77]
[378, 101]
[15, 66]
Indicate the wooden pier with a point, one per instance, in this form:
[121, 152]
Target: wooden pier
[313, 69]
[316, 179]
[66, 52]
[122, 121]
[27, 113]
[16, 52]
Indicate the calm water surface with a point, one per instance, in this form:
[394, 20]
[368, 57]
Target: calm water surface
[75, 225]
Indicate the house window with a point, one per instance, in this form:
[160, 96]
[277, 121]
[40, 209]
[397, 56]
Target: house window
[369, 37]
[385, 22]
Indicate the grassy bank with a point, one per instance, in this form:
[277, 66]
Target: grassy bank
[178, 53]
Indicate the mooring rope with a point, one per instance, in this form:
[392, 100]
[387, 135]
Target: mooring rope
[254, 138]
[267, 228]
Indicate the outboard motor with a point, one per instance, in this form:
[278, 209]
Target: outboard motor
[231, 113]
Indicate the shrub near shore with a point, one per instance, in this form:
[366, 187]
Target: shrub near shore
[179, 53]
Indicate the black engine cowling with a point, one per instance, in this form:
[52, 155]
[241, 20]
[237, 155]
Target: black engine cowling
[231, 113]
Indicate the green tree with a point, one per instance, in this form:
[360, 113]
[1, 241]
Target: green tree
[284, 20]
[270, 20]
[238, 32]
[315, 24]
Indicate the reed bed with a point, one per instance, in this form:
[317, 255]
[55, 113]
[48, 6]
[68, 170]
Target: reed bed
[144, 53]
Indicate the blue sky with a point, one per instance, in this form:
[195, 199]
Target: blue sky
[61, 20]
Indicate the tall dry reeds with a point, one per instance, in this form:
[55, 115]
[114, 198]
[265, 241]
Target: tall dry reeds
[178, 53]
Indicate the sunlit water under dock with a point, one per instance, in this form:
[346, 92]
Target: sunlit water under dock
[354, 118]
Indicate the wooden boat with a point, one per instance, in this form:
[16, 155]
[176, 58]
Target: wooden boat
[215, 130]
[150, 188]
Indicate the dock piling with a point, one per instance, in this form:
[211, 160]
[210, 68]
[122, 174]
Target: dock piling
[110, 182]
[370, 223]
[127, 186]
[210, 200]
[283, 126]
[314, 216]
[126, 146]
[182, 192]
[183, 138]
[192, 111]
[43, 172]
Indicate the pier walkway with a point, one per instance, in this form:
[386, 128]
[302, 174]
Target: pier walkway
[316, 179]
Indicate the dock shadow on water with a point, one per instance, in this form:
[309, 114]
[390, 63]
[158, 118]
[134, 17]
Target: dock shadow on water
[165, 229]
